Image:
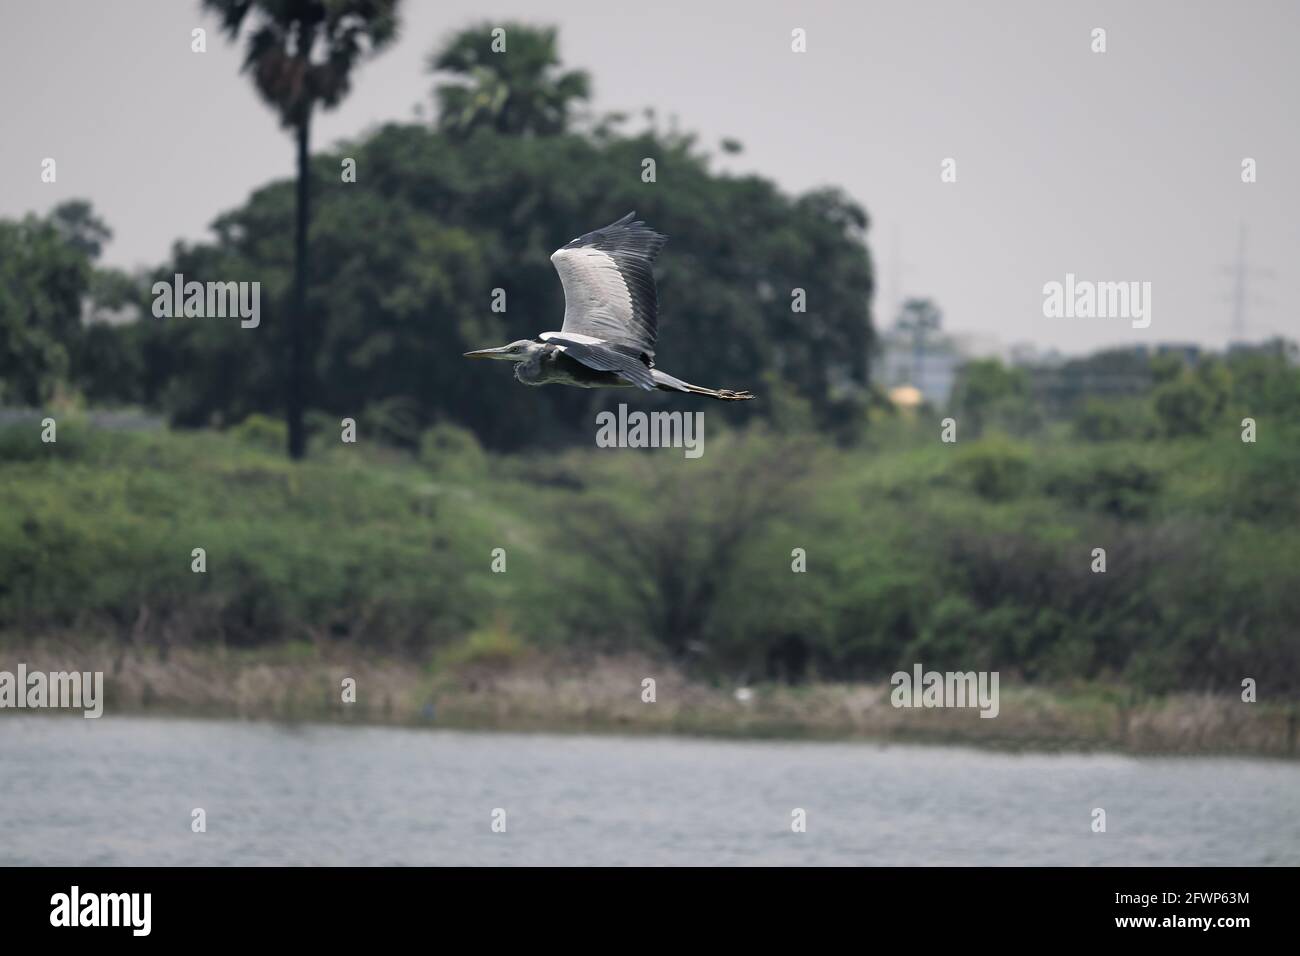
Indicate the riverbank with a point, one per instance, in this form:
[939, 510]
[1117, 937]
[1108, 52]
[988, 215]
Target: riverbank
[509, 688]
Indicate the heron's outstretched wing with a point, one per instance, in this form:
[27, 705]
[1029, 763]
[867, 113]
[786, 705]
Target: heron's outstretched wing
[605, 358]
[609, 285]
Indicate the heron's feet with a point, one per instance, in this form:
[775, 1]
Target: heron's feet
[727, 395]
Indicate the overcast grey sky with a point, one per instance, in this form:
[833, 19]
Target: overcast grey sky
[1117, 166]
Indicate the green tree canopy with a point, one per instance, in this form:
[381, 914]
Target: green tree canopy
[506, 78]
[45, 271]
[406, 260]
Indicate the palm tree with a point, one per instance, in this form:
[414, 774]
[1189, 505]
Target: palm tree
[517, 91]
[301, 54]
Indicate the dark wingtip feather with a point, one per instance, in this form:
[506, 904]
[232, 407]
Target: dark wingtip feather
[626, 228]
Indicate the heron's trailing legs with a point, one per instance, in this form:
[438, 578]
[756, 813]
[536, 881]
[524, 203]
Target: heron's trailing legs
[721, 394]
[667, 383]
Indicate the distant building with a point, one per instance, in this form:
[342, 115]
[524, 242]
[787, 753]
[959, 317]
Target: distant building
[906, 397]
[930, 373]
[1278, 346]
[1026, 354]
[915, 354]
[1189, 353]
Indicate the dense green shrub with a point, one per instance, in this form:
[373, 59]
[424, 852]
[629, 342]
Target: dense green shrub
[1104, 420]
[995, 468]
[1123, 489]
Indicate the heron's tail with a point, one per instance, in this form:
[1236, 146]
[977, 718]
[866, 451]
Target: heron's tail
[667, 383]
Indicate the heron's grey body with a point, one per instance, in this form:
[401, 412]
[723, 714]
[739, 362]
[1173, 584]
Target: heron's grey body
[549, 365]
[611, 318]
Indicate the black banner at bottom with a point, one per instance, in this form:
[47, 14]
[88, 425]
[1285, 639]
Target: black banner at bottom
[573, 905]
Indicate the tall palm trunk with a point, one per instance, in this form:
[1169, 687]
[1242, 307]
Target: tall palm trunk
[296, 393]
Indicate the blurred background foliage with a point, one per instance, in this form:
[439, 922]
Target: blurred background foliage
[974, 554]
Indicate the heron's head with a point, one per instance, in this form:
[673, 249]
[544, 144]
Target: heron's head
[519, 351]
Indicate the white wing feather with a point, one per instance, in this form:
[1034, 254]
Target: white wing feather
[596, 298]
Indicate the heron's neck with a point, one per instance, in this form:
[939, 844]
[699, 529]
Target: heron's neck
[529, 369]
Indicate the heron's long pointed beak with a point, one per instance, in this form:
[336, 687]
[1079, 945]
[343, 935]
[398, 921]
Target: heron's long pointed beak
[487, 353]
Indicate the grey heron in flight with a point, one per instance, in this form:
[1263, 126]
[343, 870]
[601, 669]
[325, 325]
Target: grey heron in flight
[611, 317]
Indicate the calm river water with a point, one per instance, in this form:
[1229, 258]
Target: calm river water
[122, 790]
